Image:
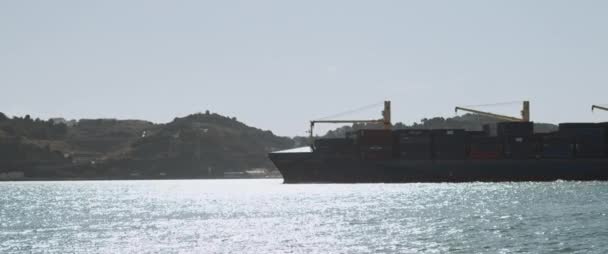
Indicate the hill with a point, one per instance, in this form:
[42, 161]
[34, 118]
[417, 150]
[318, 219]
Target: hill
[198, 145]
[203, 145]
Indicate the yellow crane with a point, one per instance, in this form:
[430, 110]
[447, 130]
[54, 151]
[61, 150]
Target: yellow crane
[593, 107]
[525, 113]
[385, 121]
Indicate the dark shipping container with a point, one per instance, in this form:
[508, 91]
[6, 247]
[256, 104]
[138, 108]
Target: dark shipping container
[412, 144]
[589, 138]
[489, 129]
[574, 126]
[523, 147]
[604, 125]
[334, 148]
[375, 137]
[376, 152]
[420, 151]
[557, 147]
[521, 129]
[485, 148]
[449, 144]
[334, 144]
[412, 132]
[413, 140]
[477, 134]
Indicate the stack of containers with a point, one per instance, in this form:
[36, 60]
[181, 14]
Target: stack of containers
[413, 144]
[482, 133]
[335, 147]
[522, 147]
[489, 129]
[515, 128]
[485, 148]
[589, 138]
[449, 144]
[604, 125]
[556, 146]
[518, 139]
[375, 144]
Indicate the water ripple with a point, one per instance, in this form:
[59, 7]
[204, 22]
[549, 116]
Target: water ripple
[265, 216]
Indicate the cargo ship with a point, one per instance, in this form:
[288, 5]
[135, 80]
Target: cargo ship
[512, 152]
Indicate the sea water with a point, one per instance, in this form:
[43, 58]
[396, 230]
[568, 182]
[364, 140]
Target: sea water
[266, 216]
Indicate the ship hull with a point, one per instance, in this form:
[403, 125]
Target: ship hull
[310, 168]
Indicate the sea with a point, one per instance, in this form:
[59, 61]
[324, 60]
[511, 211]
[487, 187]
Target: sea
[267, 216]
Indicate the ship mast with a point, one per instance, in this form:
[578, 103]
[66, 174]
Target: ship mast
[385, 121]
[525, 113]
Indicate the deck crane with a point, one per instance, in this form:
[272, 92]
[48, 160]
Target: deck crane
[593, 107]
[525, 113]
[385, 121]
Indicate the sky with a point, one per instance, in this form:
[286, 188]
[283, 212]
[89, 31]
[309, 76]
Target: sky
[276, 65]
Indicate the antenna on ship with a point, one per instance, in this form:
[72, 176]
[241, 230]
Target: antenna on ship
[385, 121]
[525, 112]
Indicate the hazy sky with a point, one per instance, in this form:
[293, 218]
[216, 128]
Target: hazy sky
[277, 64]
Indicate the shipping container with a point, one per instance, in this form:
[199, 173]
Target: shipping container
[449, 144]
[489, 129]
[412, 144]
[448, 132]
[333, 148]
[521, 147]
[589, 138]
[557, 147]
[372, 156]
[590, 150]
[375, 137]
[413, 140]
[334, 144]
[412, 136]
[515, 129]
[376, 152]
[366, 148]
[604, 125]
[477, 134]
[485, 148]
[420, 151]
[412, 132]
[573, 126]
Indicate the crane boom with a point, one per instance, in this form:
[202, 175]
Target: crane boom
[385, 121]
[598, 107]
[525, 113]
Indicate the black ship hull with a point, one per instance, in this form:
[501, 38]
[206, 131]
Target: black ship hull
[311, 168]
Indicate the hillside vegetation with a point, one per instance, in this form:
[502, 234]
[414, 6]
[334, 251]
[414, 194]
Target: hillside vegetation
[198, 145]
[204, 145]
